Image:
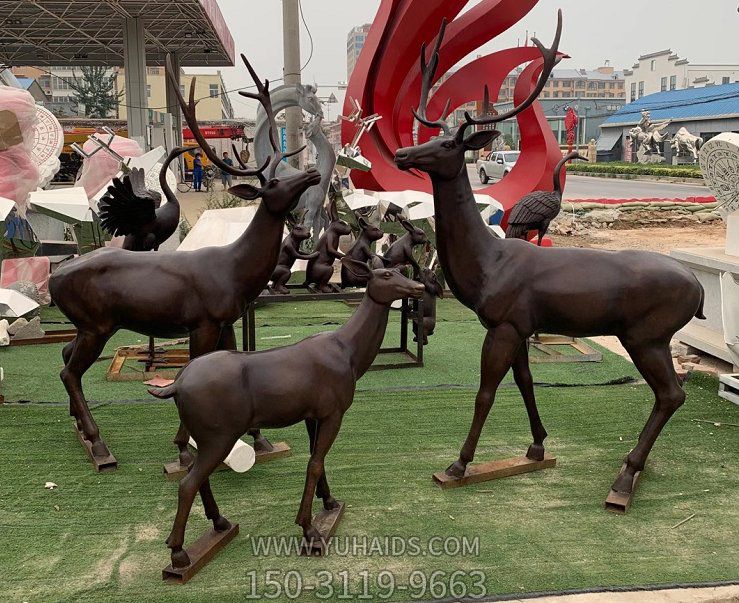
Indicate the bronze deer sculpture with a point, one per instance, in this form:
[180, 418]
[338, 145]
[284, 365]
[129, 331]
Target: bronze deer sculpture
[321, 268]
[361, 251]
[173, 294]
[312, 381]
[290, 252]
[517, 288]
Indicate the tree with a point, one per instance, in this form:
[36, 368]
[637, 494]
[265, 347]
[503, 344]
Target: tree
[95, 90]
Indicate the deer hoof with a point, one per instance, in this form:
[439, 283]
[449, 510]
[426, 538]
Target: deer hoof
[262, 444]
[99, 449]
[330, 503]
[313, 541]
[535, 452]
[623, 484]
[456, 469]
[221, 524]
[180, 559]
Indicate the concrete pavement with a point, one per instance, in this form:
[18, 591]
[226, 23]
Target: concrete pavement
[588, 187]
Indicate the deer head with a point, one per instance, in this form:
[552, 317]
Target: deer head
[431, 282]
[443, 157]
[384, 286]
[279, 195]
[370, 231]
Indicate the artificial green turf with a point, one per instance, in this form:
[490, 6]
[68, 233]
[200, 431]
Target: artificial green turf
[101, 537]
[452, 357]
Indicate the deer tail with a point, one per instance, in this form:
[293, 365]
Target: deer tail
[699, 314]
[164, 393]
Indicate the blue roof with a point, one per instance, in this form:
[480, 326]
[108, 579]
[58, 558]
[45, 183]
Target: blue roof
[692, 103]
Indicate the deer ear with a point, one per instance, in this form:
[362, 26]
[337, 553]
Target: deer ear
[407, 225]
[479, 140]
[245, 191]
[357, 268]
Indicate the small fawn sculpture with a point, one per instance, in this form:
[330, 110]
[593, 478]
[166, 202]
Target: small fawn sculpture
[199, 294]
[401, 252]
[222, 395]
[321, 268]
[516, 288]
[361, 251]
[428, 321]
[290, 252]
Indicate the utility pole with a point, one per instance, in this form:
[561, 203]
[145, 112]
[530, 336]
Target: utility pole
[291, 75]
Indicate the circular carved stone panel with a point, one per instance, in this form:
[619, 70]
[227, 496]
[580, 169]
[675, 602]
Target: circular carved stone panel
[719, 160]
[47, 144]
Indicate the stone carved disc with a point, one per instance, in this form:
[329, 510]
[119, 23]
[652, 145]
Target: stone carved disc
[48, 141]
[719, 160]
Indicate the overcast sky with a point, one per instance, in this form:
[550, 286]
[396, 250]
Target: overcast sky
[594, 31]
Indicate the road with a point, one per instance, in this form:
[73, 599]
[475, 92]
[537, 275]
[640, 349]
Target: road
[587, 187]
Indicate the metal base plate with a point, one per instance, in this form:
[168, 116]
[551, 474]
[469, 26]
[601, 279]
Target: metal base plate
[619, 502]
[200, 553]
[101, 463]
[483, 472]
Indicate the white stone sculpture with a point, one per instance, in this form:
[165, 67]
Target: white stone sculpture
[685, 144]
[4, 335]
[647, 137]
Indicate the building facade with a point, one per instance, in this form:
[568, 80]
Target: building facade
[704, 112]
[214, 103]
[604, 83]
[664, 71]
[354, 44]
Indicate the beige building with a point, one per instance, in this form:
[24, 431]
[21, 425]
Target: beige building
[665, 70]
[354, 44]
[604, 82]
[214, 103]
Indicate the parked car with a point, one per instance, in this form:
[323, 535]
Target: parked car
[496, 165]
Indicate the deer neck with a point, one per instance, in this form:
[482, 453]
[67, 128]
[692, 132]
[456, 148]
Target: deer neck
[363, 333]
[253, 256]
[462, 238]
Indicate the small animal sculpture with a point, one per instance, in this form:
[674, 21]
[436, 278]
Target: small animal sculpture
[536, 210]
[289, 253]
[433, 289]
[130, 209]
[685, 144]
[361, 251]
[401, 252]
[321, 268]
[312, 381]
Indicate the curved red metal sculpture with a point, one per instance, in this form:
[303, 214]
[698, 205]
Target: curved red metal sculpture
[387, 80]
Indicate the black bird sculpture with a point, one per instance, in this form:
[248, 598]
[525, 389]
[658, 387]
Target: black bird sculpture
[536, 210]
[130, 209]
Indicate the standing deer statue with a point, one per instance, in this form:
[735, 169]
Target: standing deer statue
[312, 381]
[172, 294]
[516, 288]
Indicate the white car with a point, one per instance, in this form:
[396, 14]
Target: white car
[496, 165]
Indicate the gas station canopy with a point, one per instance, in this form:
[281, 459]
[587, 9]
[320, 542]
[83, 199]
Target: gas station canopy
[87, 32]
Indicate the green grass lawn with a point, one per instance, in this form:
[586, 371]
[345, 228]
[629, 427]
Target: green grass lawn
[101, 536]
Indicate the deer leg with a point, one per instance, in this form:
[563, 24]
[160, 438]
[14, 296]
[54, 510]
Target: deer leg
[498, 352]
[654, 362]
[322, 489]
[210, 454]
[220, 523]
[203, 340]
[86, 350]
[327, 430]
[73, 408]
[525, 383]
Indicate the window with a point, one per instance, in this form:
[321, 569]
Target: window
[567, 83]
[633, 91]
[654, 65]
[663, 85]
[726, 80]
[182, 89]
[601, 85]
[148, 90]
[673, 82]
[641, 89]
[580, 84]
[215, 90]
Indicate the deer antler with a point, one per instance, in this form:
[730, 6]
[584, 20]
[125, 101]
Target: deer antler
[188, 109]
[428, 71]
[263, 97]
[551, 58]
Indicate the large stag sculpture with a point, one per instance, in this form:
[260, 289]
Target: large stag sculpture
[170, 294]
[312, 381]
[517, 288]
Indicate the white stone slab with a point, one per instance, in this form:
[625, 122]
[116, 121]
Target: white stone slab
[218, 227]
[732, 233]
[70, 205]
[14, 304]
[6, 206]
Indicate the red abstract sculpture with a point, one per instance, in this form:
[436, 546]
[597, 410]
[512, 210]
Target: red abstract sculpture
[387, 80]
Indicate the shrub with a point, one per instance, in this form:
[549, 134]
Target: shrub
[635, 169]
